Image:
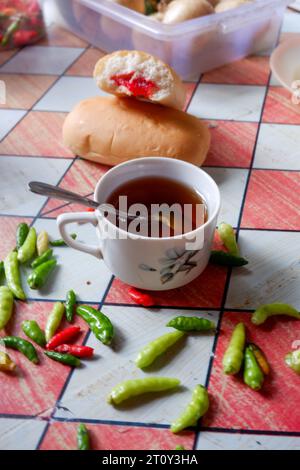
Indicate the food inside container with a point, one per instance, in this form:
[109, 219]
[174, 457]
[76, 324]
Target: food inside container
[191, 46]
[21, 23]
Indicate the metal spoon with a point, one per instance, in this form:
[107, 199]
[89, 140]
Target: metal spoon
[49, 190]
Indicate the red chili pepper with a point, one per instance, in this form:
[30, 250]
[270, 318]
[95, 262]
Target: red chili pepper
[141, 298]
[62, 337]
[22, 37]
[90, 209]
[75, 350]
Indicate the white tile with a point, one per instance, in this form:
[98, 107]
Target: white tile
[188, 361]
[231, 183]
[273, 272]
[67, 92]
[235, 441]
[87, 275]
[16, 172]
[20, 434]
[291, 23]
[274, 81]
[42, 59]
[8, 119]
[237, 102]
[278, 147]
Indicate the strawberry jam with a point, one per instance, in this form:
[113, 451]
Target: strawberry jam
[138, 86]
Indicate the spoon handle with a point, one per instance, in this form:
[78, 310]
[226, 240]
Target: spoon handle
[58, 193]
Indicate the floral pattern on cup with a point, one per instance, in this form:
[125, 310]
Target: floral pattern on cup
[176, 261]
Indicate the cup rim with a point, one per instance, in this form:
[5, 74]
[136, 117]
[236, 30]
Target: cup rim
[174, 161]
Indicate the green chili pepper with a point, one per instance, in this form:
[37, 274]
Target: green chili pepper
[197, 407]
[191, 324]
[157, 347]
[99, 323]
[42, 259]
[12, 273]
[234, 354]
[133, 388]
[6, 305]
[253, 375]
[54, 320]
[292, 359]
[22, 345]
[39, 276]
[2, 272]
[227, 236]
[34, 332]
[83, 439]
[66, 359]
[261, 358]
[42, 242]
[70, 305]
[27, 250]
[268, 310]
[226, 259]
[61, 242]
[12, 28]
[22, 232]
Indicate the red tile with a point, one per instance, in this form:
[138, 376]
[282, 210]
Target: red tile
[38, 134]
[23, 91]
[32, 389]
[58, 36]
[84, 66]
[62, 436]
[205, 291]
[8, 228]
[6, 55]
[81, 178]
[62, 209]
[279, 107]
[273, 200]
[250, 71]
[232, 143]
[277, 406]
[190, 88]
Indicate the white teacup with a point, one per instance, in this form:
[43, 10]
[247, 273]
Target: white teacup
[148, 262]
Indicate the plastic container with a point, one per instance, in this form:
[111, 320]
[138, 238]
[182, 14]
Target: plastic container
[191, 47]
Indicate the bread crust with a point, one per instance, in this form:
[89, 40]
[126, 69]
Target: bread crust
[226, 5]
[111, 130]
[179, 10]
[177, 92]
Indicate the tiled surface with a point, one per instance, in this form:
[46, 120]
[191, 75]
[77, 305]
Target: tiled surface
[277, 404]
[237, 102]
[40, 59]
[62, 436]
[229, 441]
[254, 158]
[73, 89]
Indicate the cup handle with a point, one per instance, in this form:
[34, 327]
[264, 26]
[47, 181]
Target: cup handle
[64, 219]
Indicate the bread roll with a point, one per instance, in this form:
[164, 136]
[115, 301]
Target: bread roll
[229, 4]
[182, 10]
[137, 5]
[141, 75]
[111, 130]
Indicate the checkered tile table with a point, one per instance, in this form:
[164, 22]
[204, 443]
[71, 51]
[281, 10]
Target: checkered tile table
[255, 159]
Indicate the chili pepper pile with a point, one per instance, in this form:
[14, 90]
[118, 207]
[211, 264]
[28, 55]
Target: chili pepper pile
[21, 23]
[239, 356]
[231, 257]
[250, 356]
